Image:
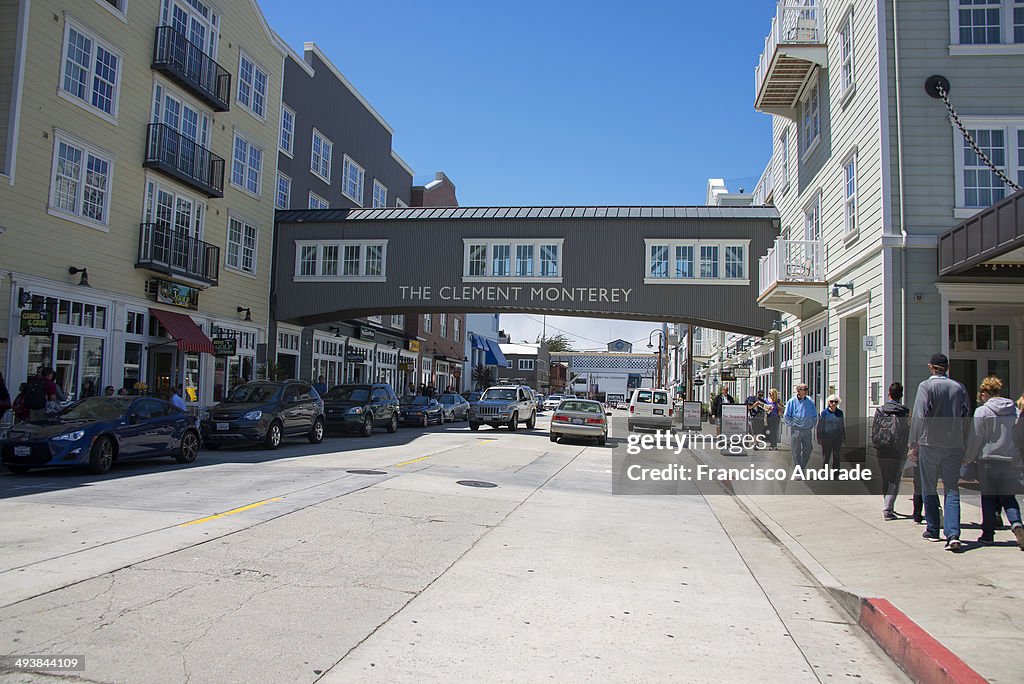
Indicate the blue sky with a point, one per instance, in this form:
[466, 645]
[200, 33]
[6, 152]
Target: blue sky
[556, 103]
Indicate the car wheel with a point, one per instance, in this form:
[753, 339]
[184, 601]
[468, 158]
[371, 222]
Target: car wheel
[393, 425]
[366, 429]
[602, 440]
[101, 457]
[513, 424]
[316, 433]
[630, 427]
[532, 422]
[18, 469]
[474, 426]
[553, 437]
[273, 438]
[189, 447]
[212, 446]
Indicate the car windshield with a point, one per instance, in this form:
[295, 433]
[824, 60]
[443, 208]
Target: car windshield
[97, 408]
[417, 401]
[254, 394]
[450, 398]
[580, 406]
[499, 395]
[473, 396]
[348, 394]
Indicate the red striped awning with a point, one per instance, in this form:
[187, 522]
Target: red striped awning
[189, 336]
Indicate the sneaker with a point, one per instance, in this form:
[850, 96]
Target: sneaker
[1018, 532]
[986, 540]
[953, 544]
[889, 515]
[918, 518]
[928, 536]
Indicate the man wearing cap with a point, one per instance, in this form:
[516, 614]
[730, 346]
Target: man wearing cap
[938, 436]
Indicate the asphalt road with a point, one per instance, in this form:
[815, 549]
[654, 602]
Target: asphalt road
[285, 566]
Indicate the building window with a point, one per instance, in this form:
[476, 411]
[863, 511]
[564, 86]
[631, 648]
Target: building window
[850, 203]
[353, 258]
[526, 364]
[708, 261]
[284, 191]
[340, 260]
[380, 194]
[457, 325]
[252, 86]
[247, 165]
[318, 202]
[287, 130]
[443, 320]
[91, 70]
[320, 159]
[81, 181]
[397, 321]
[352, 181]
[675, 261]
[427, 323]
[501, 256]
[784, 145]
[684, 261]
[121, 6]
[495, 259]
[812, 219]
[981, 186]
[242, 241]
[329, 260]
[810, 120]
[979, 22]
[524, 261]
[478, 260]
[735, 261]
[659, 261]
[846, 55]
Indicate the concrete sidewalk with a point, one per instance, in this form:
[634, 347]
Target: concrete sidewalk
[971, 602]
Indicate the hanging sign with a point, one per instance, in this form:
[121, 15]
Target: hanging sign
[741, 373]
[367, 333]
[414, 345]
[177, 295]
[36, 323]
[355, 356]
[225, 346]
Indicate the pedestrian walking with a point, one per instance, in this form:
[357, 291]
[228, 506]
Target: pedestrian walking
[890, 430]
[801, 415]
[88, 390]
[773, 418]
[991, 444]
[176, 399]
[938, 436]
[39, 391]
[831, 432]
[320, 386]
[716, 406]
[756, 413]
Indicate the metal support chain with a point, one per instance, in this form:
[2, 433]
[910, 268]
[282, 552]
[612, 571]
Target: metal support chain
[970, 140]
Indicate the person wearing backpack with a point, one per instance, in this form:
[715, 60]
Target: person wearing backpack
[890, 429]
[38, 391]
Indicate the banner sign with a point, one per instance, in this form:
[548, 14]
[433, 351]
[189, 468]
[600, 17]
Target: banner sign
[367, 333]
[225, 346]
[734, 419]
[177, 295]
[691, 415]
[741, 373]
[36, 323]
[414, 345]
[728, 376]
[356, 357]
[698, 383]
[407, 365]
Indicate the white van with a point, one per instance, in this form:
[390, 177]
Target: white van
[650, 408]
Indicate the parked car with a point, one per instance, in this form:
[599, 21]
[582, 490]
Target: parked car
[99, 431]
[580, 418]
[265, 412]
[650, 408]
[455, 407]
[552, 401]
[472, 397]
[506, 405]
[422, 411]
[360, 408]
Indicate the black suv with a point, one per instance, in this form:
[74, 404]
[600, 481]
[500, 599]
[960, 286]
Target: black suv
[267, 412]
[360, 408]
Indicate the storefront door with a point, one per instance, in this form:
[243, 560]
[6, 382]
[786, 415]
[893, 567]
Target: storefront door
[162, 372]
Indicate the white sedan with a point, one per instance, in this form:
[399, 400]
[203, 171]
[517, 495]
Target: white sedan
[580, 418]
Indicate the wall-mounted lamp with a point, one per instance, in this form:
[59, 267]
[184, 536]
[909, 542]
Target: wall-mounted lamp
[837, 286]
[392, 343]
[84, 280]
[24, 298]
[247, 310]
[336, 331]
[778, 325]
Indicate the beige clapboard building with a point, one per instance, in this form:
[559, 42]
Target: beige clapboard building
[138, 141]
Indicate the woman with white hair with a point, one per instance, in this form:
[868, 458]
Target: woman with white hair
[831, 431]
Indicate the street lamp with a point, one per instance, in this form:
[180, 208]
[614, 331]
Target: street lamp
[650, 345]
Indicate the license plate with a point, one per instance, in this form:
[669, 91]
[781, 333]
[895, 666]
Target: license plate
[577, 421]
[659, 412]
[223, 426]
[22, 451]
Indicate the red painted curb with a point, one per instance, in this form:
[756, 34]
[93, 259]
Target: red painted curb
[916, 651]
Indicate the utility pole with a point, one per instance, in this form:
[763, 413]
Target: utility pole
[689, 362]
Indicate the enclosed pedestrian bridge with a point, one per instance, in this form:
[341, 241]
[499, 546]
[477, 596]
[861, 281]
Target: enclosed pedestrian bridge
[694, 265]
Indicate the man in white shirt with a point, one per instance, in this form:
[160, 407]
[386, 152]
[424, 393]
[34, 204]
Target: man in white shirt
[176, 399]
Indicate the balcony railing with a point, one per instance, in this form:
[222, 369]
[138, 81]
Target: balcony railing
[184, 159]
[791, 261]
[792, 47]
[172, 251]
[765, 187]
[187, 64]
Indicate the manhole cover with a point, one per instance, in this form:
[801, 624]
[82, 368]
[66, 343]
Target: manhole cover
[366, 472]
[475, 483]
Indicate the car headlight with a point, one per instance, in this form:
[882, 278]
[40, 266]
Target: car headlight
[253, 415]
[355, 409]
[70, 436]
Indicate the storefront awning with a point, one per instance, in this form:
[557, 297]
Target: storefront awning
[494, 355]
[479, 342]
[189, 336]
[989, 243]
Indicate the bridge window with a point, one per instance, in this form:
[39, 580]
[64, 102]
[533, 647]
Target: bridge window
[735, 261]
[659, 261]
[676, 261]
[684, 261]
[708, 261]
[341, 260]
[486, 260]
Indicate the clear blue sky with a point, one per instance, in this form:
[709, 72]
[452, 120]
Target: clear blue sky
[556, 102]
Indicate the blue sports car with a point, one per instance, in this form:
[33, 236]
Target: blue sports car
[97, 432]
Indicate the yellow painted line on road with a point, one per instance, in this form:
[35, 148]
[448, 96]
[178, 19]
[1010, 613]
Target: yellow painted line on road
[412, 461]
[231, 512]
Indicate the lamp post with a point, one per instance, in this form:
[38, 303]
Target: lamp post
[650, 345]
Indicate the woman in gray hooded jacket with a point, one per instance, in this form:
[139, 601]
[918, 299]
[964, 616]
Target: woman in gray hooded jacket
[991, 442]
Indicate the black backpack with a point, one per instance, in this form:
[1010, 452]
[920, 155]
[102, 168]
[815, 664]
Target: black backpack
[888, 431]
[35, 393]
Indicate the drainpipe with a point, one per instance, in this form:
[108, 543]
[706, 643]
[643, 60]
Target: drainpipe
[903, 223]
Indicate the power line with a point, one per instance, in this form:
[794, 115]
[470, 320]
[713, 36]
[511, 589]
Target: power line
[567, 332]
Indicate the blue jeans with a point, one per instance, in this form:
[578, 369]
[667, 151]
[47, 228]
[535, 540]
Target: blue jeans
[801, 441]
[934, 463]
[999, 483]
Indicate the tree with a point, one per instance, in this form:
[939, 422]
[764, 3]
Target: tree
[558, 343]
[483, 376]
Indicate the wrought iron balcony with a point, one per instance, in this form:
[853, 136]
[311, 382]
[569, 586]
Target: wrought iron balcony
[184, 62]
[186, 160]
[793, 47]
[791, 277]
[172, 251]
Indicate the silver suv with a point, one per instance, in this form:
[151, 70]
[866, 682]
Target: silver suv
[504, 405]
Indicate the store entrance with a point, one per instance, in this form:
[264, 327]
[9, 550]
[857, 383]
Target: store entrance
[162, 370]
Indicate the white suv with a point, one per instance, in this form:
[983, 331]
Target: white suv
[552, 401]
[650, 408]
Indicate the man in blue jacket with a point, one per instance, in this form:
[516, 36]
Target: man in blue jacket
[938, 436]
[801, 416]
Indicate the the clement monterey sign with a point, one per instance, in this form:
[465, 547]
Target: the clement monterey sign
[694, 265]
